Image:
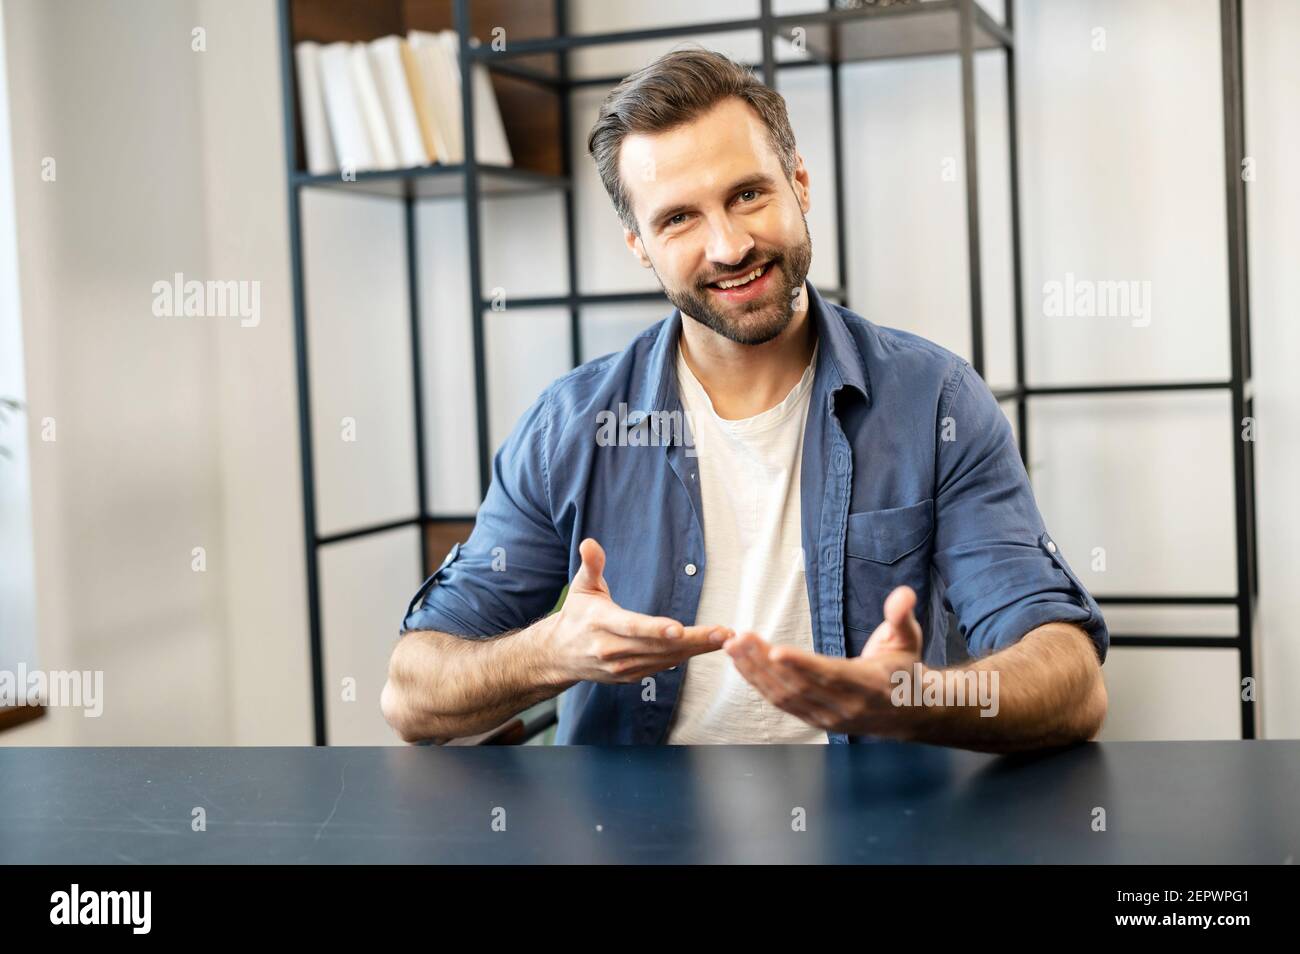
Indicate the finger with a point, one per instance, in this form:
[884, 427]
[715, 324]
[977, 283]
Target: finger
[623, 622]
[798, 681]
[667, 651]
[834, 701]
[749, 652]
[632, 625]
[680, 651]
[785, 689]
[837, 675]
[776, 692]
[632, 662]
[638, 667]
[590, 576]
[900, 611]
[709, 637]
[900, 631]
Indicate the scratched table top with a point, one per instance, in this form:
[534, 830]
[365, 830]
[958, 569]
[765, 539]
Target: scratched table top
[1115, 802]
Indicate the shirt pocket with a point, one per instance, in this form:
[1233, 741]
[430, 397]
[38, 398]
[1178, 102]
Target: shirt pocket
[884, 549]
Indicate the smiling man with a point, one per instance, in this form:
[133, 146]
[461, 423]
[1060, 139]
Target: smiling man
[787, 573]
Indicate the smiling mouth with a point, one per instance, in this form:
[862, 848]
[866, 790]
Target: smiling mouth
[748, 278]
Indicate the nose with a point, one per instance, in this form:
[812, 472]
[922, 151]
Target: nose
[728, 245]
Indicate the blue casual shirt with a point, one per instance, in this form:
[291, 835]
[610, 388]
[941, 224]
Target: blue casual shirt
[910, 474]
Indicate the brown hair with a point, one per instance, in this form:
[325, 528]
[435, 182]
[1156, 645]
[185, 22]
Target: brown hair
[672, 91]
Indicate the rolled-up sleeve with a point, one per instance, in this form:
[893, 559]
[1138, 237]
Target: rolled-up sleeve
[514, 565]
[1003, 572]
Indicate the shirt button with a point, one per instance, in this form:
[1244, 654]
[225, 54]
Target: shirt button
[691, 569]
[1051, 546]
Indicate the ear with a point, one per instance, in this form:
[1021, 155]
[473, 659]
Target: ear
[633, 242]
[800, 183]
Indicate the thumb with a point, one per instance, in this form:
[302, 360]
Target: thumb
[590, 578]
[900, 631]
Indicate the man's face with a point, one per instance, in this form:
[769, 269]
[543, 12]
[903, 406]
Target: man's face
[712, 203]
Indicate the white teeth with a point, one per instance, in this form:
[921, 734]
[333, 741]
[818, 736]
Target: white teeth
[744, 280]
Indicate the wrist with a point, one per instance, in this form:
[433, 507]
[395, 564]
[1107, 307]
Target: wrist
[547, 663]
[917, 697]
[956, 703]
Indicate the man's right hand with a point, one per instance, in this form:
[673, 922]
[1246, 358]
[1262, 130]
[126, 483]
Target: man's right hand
[594, 639]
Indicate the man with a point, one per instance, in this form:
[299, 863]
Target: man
[781, 569]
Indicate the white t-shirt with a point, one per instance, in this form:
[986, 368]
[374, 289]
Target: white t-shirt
[754, 569]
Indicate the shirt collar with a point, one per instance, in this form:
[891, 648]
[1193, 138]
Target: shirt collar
[839, 361]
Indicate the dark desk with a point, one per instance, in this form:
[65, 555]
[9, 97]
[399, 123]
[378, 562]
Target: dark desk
[1165, 802]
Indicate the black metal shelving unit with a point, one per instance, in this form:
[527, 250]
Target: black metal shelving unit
[830, 38]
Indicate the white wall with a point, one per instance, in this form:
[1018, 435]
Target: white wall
[245, 224]
[1122, 159]
[184, 434]
[17, 581]
[1271, 37]
[172, 433]
[131, 484]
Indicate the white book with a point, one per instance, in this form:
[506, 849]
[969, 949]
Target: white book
[372, 110]
[311, 107]
[343, 112]
[395, 95]
[490, 143]
[444, 93]
[447, 45]
[422, 97]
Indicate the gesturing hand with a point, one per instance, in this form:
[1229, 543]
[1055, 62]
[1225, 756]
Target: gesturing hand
[840, 695]
[593, 638]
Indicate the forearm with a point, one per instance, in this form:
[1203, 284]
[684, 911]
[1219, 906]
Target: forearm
[1047, 691]
[443, 687]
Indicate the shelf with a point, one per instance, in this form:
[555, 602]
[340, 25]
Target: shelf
[1165, 600]
[566, 301]
[604, 298]
[559, 44]
[1144, 641]
[882, 33]
[923, 28]
[436, 182]
[1070, 390]
[757, 68]
[428, 520]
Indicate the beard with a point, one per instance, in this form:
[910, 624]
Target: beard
[758, 321]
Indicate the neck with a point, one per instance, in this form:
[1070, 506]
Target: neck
[743, 380]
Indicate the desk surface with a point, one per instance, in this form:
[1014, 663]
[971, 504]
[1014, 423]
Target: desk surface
[1165, 802]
